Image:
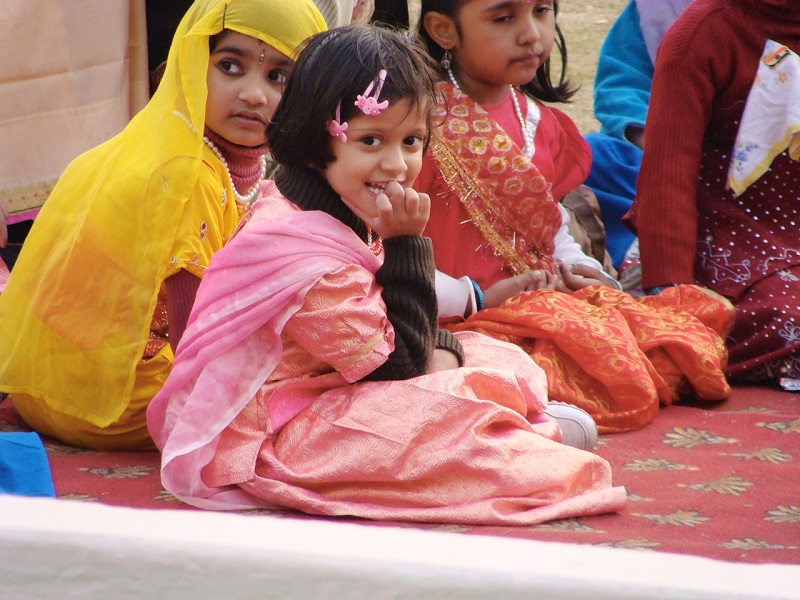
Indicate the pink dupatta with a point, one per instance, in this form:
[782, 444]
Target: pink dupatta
[232, 342]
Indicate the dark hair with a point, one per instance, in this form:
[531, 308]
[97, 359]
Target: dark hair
[336, 66]
[391, 12]
[541, 87]
[214, 40]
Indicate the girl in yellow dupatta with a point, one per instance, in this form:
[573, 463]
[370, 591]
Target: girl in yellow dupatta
[100, 295]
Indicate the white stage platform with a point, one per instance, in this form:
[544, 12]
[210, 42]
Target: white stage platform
[69, 550]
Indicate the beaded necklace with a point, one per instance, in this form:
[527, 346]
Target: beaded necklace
[526, 134]
[249, 196]
[377, 245]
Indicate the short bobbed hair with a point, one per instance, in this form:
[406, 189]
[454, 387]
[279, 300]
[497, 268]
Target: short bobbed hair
[337, 66]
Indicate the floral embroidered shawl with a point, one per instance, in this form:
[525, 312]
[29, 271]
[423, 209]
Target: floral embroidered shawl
[501, 189]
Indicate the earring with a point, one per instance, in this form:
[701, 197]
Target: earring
[445, 62]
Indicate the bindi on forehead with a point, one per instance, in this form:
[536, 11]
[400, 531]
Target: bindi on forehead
[257, 51]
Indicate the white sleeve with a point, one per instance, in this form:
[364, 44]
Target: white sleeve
[567, 250]
[456, 297]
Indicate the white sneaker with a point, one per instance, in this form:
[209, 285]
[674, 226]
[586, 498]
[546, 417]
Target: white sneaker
[577, 426]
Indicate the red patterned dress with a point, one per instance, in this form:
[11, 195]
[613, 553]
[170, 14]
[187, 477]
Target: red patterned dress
[493, 215]
[691, 228]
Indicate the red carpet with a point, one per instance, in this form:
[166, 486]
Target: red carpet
[722, 483]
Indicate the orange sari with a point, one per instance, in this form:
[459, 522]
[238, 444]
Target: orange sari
[616, 357]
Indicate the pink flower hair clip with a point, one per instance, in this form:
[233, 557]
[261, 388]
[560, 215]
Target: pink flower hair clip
[369, 105]
[335, 127]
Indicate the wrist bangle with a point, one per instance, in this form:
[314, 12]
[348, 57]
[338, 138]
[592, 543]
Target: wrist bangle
[616, 283]
[480, 303]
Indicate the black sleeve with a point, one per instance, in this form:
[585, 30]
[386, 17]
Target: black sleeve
[447, 341]
[409, 292]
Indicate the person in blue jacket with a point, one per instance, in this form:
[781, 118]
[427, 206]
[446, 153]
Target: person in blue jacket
[621, 95]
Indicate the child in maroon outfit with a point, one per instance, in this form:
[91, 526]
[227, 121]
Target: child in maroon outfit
[691, 227]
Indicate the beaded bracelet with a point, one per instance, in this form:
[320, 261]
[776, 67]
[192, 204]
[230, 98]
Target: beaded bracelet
[480, 303]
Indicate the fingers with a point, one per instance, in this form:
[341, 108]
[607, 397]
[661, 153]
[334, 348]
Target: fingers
[384, 205]
[534, 280]
[568, 279]
[538, 279]
[424, 205]
[411, 201]
[395, 192]
[528, 282]
[407, 200]
[401, 211]
[391, 205]
[576, 277]
[586, 271]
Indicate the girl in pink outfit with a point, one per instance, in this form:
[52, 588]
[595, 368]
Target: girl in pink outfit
[313, 376]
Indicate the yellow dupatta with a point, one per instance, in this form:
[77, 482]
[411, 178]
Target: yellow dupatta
[501, 189]
[75, 316]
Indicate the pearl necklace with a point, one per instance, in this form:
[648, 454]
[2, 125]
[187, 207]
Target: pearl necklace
[527, 135]
[253, 193]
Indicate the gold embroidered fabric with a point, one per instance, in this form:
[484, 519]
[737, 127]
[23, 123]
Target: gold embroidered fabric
[506, 197]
